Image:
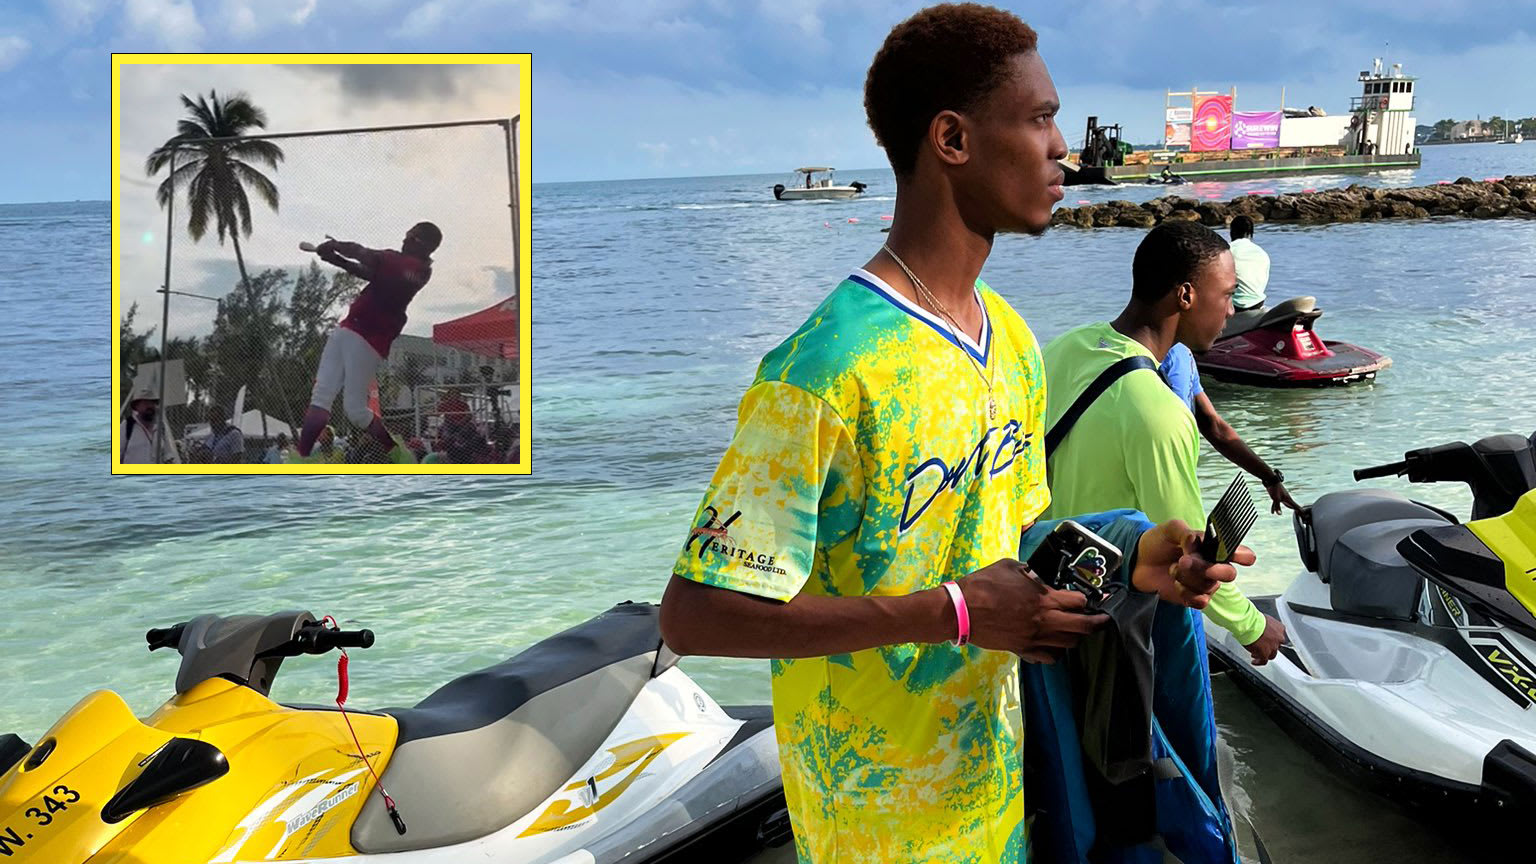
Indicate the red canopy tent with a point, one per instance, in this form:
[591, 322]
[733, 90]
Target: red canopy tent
[490, 332]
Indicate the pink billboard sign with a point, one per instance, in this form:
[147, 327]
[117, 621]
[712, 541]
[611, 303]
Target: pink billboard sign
[1213, 124]
[1255, 129]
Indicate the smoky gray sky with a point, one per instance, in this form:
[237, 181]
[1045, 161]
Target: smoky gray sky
[406, 84]
[368, 187]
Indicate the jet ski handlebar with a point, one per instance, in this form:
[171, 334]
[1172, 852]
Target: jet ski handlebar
[1389, 470]
[249, 649]
[320, 639]
[1498, 469]
[166, 637]
[312, 637]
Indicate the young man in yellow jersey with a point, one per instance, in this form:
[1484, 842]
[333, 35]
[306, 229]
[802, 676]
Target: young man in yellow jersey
[861, 528]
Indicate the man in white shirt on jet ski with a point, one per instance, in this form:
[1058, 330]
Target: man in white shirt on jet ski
[1252, 266]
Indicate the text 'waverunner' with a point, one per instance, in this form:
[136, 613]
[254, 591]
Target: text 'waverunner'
[1412, 639]
[1277, 347]
[590, 746]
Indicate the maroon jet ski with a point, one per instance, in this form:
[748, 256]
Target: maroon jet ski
[1275, 346]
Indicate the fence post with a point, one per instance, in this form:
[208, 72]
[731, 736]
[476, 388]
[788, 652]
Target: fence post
[165, 316]
[510, 128]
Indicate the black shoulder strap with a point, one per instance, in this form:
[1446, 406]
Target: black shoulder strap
[1109, 376]
[127, 433]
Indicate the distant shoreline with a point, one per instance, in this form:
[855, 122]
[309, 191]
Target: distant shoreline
[1439, 142]
[786, 172]
[1511, 196]
[37, 203]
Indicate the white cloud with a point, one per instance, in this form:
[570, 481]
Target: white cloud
[657, 150]
[247, 18]
[303, 9]
[169, 23]
[78, 14]
[802, 15]
[240, 17]
[12, 49]
[586, 17]
[423, 20]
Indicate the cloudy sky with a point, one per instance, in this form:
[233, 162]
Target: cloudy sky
[646, 88]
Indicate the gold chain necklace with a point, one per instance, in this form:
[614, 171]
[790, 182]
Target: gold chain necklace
[949, 321]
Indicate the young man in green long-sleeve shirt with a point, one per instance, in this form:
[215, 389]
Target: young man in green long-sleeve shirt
[1137, 444]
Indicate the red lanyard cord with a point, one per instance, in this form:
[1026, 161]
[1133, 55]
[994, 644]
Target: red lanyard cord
[341, 700]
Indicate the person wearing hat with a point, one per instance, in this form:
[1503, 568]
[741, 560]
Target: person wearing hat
[139, 444]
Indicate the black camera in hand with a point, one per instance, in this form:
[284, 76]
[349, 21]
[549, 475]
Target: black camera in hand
[1073, 558]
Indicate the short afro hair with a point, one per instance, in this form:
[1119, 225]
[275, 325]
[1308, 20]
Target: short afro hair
[1242, 226]
[1170, 255]
[947, 57]
[431, 236]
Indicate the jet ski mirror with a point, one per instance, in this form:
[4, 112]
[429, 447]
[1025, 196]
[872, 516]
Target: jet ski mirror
[181, 765]
[12, 749]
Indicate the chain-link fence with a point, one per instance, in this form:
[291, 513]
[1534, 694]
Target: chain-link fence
[250, 320]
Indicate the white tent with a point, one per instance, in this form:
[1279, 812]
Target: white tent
[250, 427]
[148, 378]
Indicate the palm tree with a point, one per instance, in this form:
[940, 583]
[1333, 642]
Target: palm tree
[214, 164]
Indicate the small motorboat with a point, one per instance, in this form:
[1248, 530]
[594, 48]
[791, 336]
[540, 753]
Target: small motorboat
[1276, 347]
[815, 187]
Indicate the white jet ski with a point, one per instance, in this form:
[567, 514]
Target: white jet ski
[1411, 658]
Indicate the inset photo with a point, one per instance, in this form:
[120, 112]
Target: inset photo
[321, 264]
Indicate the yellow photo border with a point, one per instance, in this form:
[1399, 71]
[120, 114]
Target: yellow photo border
[524, 265]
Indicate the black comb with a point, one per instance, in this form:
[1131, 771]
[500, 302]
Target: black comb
[1229, 522]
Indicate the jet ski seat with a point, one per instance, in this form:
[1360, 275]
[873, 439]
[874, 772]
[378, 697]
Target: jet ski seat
[485, 749]
[1369, 577]
[1350, 540]
[1269, 316]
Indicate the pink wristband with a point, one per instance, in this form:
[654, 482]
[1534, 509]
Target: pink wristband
[962, 615]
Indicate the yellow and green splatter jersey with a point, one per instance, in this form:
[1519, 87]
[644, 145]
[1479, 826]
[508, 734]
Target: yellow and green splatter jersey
[864, 463]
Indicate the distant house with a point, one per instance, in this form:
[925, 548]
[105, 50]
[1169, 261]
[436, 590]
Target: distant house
[1468, 129]
[434, 367]
[439, 364]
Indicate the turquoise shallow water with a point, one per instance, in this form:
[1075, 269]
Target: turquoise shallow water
[653, 301]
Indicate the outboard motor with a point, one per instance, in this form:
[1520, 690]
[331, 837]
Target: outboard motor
[778, 191]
